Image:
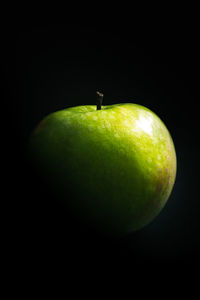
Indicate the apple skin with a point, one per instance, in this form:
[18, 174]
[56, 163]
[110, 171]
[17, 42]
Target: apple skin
[113, 168]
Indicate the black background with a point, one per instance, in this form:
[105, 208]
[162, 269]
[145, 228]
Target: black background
[56, 59]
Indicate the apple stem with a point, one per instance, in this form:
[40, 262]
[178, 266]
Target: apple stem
[99, 100]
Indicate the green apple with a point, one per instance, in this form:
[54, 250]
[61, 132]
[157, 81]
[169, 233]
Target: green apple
[113, 166]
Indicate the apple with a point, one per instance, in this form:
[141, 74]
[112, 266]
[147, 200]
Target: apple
[112, 166]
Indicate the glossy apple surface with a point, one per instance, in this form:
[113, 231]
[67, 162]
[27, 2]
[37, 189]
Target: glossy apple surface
[114, 168]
